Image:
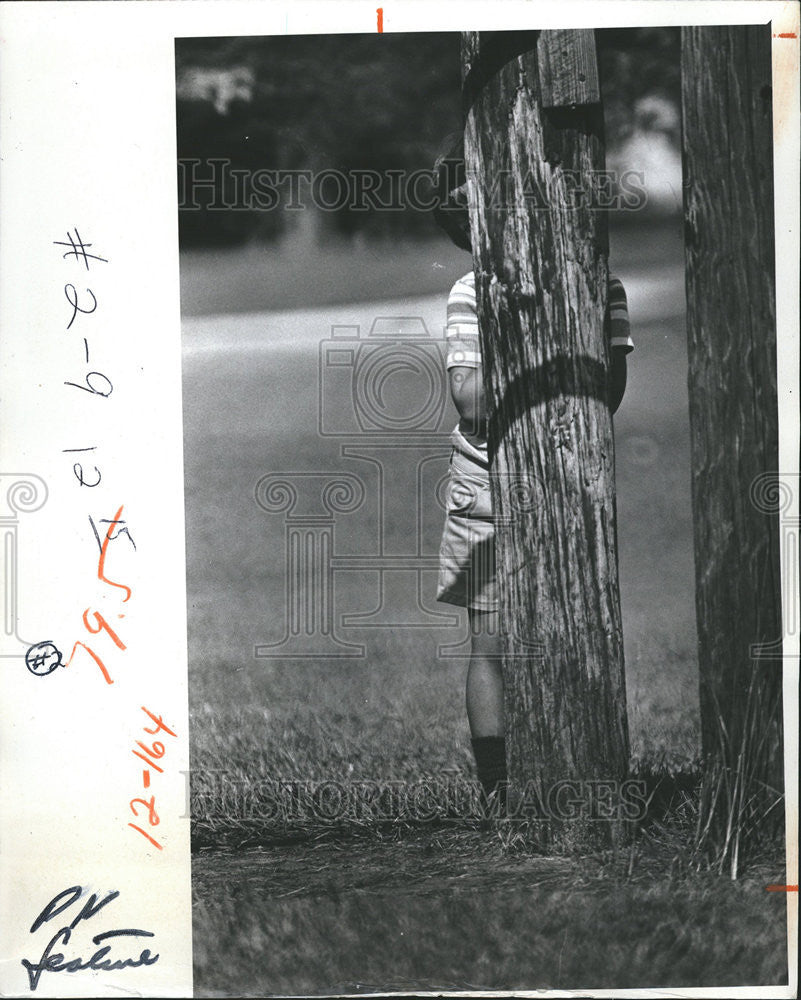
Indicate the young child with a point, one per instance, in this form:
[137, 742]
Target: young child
[467, 553]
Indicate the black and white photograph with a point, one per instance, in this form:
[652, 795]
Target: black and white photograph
[399, 498]
[483, 510]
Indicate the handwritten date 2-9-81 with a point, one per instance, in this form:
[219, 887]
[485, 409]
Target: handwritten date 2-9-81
[44, 657]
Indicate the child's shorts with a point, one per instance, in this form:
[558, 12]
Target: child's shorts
[467, 552]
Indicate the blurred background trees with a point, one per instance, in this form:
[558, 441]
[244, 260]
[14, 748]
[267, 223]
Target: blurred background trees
[359, 102]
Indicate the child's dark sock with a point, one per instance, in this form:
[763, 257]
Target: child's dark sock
[490, 754]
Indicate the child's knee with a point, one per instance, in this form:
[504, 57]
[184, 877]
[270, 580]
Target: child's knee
[485, 634]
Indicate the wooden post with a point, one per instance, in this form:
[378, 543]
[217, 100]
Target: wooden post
[540, 258]
[729, 245]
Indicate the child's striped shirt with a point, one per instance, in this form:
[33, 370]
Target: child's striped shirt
[464, 344]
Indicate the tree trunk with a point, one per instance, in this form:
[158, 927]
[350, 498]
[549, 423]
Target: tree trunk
[729, 245]
[540, 258]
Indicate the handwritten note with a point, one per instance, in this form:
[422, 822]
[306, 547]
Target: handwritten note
[150, 753]
[57, 961]
[44, 657]
[95, 882]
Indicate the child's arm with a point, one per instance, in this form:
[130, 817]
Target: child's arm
[617, 377]
[467, 392]
[620, 343]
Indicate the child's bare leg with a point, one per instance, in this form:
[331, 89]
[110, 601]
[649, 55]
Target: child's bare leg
[484, 676]
[485, 705]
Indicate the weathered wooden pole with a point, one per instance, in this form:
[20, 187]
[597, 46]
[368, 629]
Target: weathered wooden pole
[533, 140]
[729, 246]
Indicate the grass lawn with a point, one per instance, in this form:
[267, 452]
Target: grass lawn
[483, 916]
[453, 910]
[250, 403]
